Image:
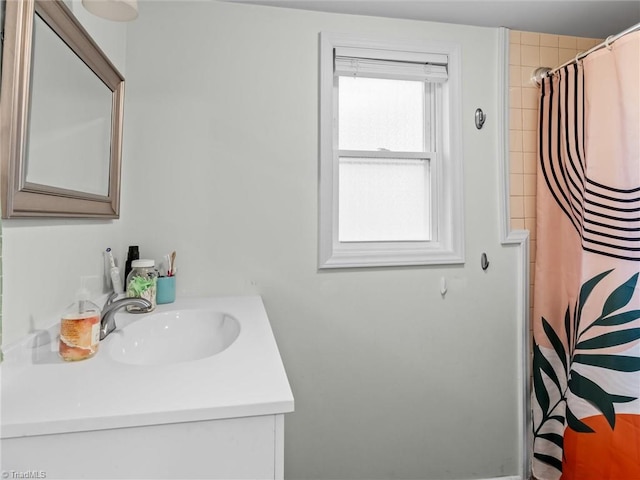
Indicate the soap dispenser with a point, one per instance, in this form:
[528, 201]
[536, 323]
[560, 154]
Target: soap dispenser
[80, 327]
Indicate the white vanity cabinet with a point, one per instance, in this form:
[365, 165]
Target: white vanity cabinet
[118, 416]
[235, 448]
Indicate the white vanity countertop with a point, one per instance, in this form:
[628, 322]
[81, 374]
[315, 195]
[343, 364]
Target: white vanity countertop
[41, 394]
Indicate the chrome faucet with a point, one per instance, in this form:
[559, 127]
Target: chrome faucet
[107, 319]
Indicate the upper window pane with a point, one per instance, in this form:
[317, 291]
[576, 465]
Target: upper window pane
[381, 114]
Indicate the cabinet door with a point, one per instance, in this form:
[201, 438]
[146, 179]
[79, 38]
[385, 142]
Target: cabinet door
[225, 449]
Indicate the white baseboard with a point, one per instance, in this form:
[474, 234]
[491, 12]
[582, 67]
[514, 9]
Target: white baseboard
[513, 477]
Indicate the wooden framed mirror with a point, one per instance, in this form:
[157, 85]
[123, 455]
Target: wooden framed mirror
[61, 116]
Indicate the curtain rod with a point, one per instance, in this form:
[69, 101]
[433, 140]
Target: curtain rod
[540, 73]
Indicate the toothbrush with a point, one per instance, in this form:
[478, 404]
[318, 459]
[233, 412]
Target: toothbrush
[166, 260]
[170, 260]
[115, 274]
[172, 264]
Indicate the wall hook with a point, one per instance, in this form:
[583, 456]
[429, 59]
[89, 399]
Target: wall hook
[484, 263]
[480, 118]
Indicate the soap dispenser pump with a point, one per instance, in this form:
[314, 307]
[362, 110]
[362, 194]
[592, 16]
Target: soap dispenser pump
[80, 327]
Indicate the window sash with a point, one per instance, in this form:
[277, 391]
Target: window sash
[421, 229]
[434, 174]
[386, 154]
[431, 108]
[431, 105]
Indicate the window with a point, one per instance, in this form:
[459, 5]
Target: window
[390, 154]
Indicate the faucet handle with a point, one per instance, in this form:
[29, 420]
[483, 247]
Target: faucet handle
[110, 299]
[107, 319]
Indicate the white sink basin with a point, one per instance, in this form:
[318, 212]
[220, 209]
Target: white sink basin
[174, 337]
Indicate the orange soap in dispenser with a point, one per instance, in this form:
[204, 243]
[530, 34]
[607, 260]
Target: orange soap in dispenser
[80, 328]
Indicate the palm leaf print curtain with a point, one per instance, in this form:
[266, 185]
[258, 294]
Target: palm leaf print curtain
[586, 316]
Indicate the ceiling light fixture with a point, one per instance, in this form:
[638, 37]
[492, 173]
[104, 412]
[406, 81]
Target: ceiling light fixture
[116, 10]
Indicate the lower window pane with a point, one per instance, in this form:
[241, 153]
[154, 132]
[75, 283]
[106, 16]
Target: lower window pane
[383, 200]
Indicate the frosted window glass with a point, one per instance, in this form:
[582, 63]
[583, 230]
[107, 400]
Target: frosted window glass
[376, 113]
[383, 200]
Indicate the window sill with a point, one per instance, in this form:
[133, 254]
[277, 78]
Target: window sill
[357, 255]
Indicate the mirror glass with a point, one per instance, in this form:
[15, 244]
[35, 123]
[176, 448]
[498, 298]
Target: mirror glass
[69, 129]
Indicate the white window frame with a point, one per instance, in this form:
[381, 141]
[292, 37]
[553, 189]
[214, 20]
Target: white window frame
[446, 167]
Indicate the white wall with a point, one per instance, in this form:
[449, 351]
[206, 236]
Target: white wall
[42, 260]
[391, 380]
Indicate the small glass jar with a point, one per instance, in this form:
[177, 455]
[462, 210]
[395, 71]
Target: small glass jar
[141, 283]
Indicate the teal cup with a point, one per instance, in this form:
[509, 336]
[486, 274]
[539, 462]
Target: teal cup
[166, 289]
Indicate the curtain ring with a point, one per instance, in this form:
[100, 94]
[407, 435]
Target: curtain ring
[607, 44]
